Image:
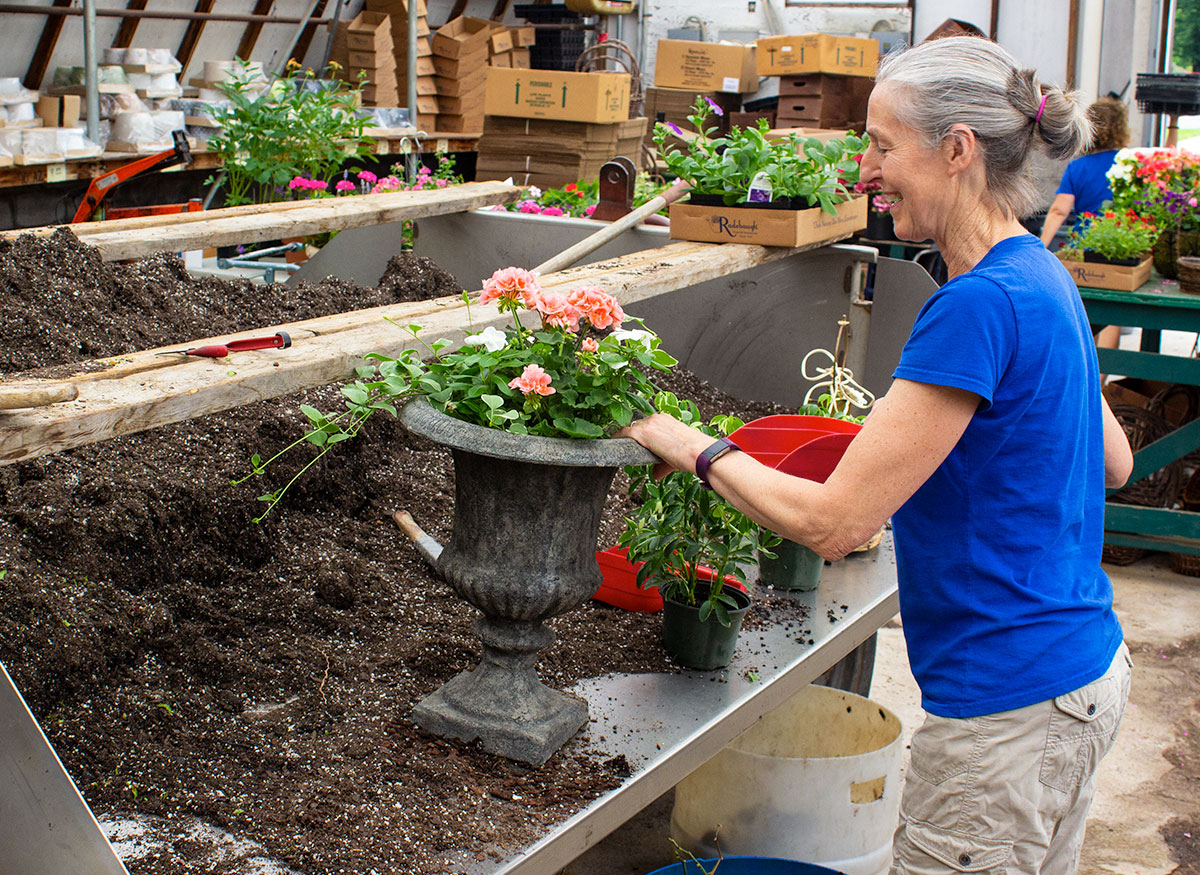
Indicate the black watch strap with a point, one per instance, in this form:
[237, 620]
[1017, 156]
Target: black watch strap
[715, 451]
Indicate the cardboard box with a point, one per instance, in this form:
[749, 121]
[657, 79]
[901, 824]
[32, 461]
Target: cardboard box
[425, 66]
[459, 123]
[745, 120]
[817, 53]
[767, 227]
[954, 27]
[370, 60]
[504, 59]
[461, 36]
[461, 67]
[369, 31]
[811, 112]
[428, 105]
[1108, 276]
[426, 85]
[459, 87]
[500, 41]
[705, 66]
[522, 37]
[521, 58]
[469, 104]
[1175, 409]
[552, 94]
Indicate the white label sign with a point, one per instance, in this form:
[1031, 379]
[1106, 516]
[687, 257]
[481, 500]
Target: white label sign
[730, 83]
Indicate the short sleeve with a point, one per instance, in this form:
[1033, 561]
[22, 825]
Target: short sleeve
[1067, 185]
[964, 337]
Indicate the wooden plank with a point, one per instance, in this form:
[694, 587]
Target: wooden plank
[45, 48]
[306, 36]
[128, 25]
[298, 220]
[191, 36]
[325, 350]
[253, 29]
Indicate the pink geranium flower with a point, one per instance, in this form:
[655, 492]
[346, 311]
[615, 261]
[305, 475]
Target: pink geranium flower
[528, 207]
[589, 345]
[367, 176]
[597, 306]
[345, 185]
[533, 380]
[557, 311]
[512, 285]
[589, 210]
[552, 211]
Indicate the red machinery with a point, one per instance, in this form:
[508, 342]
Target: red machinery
[102, 185]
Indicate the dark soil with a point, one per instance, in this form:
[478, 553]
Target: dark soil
[186, 661]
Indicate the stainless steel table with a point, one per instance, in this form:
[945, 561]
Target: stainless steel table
[666, 725]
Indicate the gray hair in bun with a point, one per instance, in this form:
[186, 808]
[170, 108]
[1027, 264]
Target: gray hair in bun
[974, 82]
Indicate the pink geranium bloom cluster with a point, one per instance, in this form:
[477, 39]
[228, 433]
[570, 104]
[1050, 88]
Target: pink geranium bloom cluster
[511, 286]
[389, 183]
[533, 380]
[345, 185]
[303, 183]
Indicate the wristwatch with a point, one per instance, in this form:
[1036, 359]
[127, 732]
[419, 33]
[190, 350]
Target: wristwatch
[715, 451]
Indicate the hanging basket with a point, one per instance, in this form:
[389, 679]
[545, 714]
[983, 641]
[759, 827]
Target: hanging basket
[1189, 274]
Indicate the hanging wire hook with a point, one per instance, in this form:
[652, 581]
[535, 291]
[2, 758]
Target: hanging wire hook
[843, 392]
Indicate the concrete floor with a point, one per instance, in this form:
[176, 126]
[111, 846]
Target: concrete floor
[1148, 781]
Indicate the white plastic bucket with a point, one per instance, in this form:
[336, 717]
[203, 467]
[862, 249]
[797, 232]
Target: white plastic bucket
[816, 780]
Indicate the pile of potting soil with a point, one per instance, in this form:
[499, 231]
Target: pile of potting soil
[185, 661]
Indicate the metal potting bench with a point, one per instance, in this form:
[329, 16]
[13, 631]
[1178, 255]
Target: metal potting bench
[665, 725]
[1152, 307]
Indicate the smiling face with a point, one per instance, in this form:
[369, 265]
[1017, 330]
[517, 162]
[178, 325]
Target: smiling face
[914, 176]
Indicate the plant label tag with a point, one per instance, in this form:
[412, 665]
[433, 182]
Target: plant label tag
[729, 83]
[56, 173]
[443, 145]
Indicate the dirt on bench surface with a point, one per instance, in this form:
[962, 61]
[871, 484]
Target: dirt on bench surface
[185, 661]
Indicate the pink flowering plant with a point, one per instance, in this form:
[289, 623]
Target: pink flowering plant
[568, 366]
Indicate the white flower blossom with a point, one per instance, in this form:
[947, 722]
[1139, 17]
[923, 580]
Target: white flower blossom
[635, 335]
[490, 339]
[534, 192]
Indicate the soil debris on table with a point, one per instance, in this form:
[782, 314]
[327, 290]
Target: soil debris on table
[185, 661]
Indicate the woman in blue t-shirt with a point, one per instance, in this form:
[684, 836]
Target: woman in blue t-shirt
[990, 453]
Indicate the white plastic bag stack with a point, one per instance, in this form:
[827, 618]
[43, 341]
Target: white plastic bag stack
[16, 103]
[145, 131]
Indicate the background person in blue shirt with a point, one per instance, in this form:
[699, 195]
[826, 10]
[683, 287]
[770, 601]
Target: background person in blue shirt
[990, 452]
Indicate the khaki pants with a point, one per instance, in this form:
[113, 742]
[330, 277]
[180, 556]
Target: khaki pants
[1008, 793]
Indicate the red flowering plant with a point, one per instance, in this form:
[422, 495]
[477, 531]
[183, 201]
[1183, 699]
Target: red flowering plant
[1113, 236]
[568, 366]
[1162, 185]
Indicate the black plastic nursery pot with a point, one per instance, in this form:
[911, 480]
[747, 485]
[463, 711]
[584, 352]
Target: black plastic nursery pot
[795, 567]
[702, 645]
[1096, 258]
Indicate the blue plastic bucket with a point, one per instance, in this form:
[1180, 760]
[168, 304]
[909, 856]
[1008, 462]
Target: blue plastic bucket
[745, 866]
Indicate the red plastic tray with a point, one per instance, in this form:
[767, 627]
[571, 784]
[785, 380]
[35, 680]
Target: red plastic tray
[785, 438]
[620, 587]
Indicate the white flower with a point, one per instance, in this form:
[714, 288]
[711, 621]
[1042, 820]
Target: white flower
[635, 335]
[490, 339]
[534, 192]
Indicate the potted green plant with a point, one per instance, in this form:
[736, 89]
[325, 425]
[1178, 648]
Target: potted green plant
[681, 527]
[1110, 250]
[805, 183]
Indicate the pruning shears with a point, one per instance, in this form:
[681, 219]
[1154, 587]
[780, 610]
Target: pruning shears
[220, 350]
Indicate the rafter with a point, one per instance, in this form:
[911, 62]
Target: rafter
[45, 48]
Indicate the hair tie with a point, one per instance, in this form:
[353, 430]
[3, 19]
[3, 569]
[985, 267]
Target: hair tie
[1041, 108]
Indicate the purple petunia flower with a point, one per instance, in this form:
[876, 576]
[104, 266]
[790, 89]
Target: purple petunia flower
[713, 106]
[674, 127]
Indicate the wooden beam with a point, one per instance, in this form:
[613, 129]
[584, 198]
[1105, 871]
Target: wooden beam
[135, 238]
[499, 9]
[45, 48]
[251, 33]
[994, 27]
[460, 6]
[191, 36]
[1072, 42]
[134, 393]
[306, 36]
[128, 25]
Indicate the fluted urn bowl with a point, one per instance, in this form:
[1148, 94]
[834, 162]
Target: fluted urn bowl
[526, 516]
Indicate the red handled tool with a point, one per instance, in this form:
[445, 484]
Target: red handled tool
[220, 350]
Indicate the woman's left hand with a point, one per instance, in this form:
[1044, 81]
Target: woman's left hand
[675, 443]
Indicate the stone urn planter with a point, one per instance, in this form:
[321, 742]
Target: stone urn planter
[526, 517]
